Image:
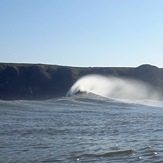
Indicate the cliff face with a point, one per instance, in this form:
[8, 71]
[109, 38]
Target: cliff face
[37, 81]
[33, 81]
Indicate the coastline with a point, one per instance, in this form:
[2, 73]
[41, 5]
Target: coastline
[42, 81]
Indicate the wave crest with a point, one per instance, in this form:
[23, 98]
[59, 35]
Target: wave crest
[114, 87]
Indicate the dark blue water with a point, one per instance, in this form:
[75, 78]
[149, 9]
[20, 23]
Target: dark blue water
[80, 129]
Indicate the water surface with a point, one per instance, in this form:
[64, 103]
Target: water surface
[82, 128]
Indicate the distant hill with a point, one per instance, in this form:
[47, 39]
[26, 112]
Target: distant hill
[40, 81]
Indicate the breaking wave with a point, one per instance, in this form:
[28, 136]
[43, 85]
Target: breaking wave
[114, 87]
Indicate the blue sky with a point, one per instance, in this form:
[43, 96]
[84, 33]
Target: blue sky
[108, 33]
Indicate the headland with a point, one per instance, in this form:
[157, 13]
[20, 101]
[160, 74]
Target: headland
[41, 81]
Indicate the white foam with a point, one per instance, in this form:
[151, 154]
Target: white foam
[114, 87]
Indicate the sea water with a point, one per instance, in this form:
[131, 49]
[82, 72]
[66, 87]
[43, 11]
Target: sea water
[82, 128]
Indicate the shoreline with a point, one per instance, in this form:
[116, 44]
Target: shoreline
[20, 81]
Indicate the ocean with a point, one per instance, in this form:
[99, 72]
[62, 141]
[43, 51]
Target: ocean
[81, 129]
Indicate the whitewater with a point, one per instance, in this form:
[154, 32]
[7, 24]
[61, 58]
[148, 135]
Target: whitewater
[105, 123]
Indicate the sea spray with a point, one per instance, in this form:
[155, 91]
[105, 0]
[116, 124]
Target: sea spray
[114, 87]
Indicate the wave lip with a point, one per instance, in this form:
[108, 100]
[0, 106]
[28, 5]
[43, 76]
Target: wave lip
[114, 87]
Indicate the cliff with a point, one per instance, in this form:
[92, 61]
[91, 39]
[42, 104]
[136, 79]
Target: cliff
[39, 81]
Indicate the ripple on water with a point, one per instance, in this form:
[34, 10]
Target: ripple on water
[120, 153]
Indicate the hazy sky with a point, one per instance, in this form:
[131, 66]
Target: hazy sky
[82, 32]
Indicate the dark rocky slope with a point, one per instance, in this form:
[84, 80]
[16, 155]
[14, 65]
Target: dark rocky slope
[38, 81]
